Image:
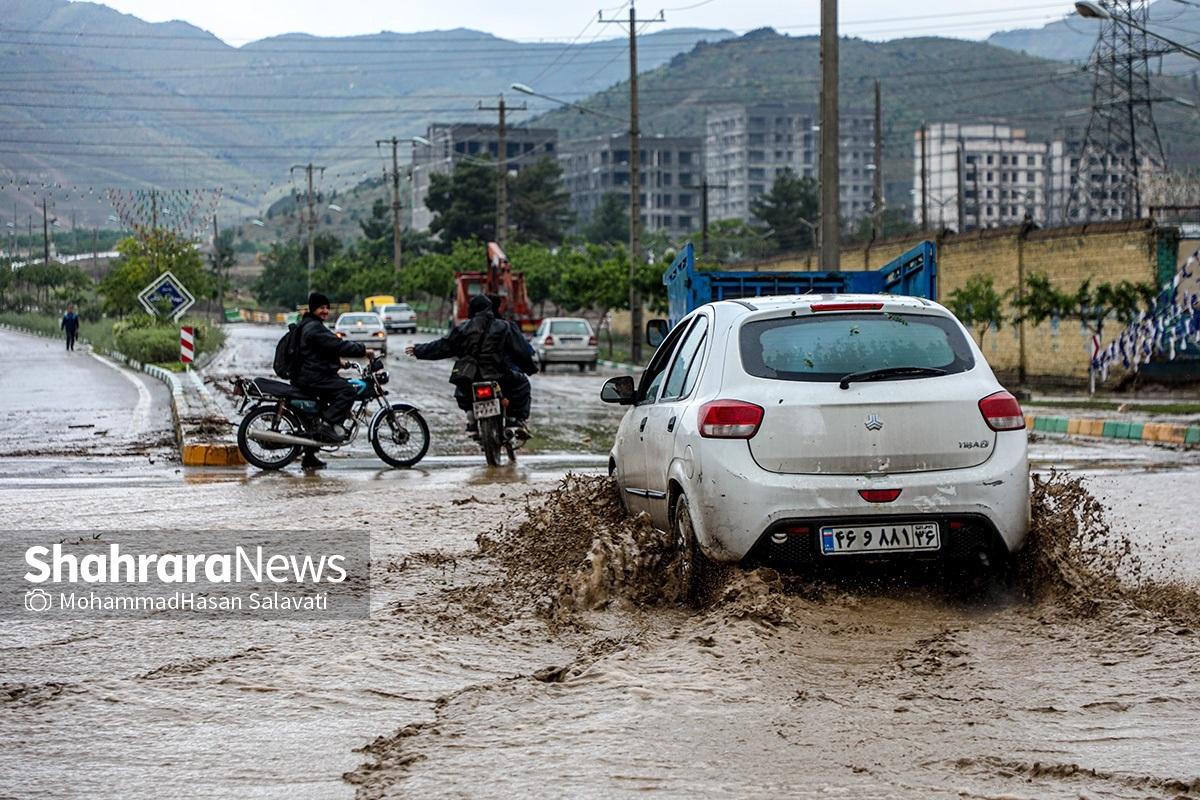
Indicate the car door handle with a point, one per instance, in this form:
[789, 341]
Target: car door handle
[642, 427]
[671, 424]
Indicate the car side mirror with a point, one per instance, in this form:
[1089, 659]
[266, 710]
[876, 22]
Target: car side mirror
[656, 331]
[619, 390]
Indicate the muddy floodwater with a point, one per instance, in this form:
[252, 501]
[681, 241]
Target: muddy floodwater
[547, 659]
[525, 640]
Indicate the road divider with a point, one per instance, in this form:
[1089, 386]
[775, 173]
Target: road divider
[1093, 428]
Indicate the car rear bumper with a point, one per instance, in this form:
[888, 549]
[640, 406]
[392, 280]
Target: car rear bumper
[736, 504]
[571, 355]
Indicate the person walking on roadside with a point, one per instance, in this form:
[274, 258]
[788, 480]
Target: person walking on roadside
[70, 325]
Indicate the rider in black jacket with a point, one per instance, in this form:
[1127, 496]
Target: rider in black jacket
[321, 354]
[484, 346]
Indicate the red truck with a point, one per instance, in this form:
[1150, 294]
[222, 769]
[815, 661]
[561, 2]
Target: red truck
[497, 277]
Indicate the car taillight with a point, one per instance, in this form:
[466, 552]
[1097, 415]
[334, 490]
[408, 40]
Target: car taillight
[548, 341]
[817, 307]
[591, 341]
[1002, 412]
[730, 419]
[879, 495]
[341, 335]
[380, 334]
[483, 392]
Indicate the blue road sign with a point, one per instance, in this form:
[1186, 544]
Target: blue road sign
[166, 291]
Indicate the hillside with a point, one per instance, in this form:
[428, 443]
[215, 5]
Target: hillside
[928, 79]
[1072, 38]
[93, 98]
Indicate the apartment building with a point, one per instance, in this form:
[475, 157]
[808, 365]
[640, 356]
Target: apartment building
[747, 146]
[672, 168]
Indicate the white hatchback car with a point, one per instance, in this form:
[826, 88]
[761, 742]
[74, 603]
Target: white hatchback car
[817, 430]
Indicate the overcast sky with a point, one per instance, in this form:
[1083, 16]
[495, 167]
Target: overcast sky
[240, 21]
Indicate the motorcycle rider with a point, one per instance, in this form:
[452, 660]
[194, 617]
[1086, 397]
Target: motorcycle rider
[320, 357]
[515, 384]
[484, 347]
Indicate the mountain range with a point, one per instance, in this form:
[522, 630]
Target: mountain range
[92, 99]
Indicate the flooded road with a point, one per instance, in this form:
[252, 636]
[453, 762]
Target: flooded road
[523, 664]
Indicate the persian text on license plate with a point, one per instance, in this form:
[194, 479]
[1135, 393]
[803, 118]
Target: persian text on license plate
[891, 537]
[487, 408]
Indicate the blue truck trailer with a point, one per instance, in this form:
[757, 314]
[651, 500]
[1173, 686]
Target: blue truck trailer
[914, 273]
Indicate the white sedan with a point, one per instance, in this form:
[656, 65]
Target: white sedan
[365, 327]
[816, 430]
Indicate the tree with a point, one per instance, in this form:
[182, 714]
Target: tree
[222, 260]
[1090, 307]
[610, 221]
[284, 279]
[895, 221]
[791, 201]
[143, 259]
[539, 207]
[463, 204]
[978, 305]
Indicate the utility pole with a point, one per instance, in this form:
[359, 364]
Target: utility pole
[95, 255]
[218, 269]
[924, 178]
[45, 234]
[960, 187]
[830, 219]
[501, 167]
[395, 200]
[877, 188]
[312, 218]
[703, 189]
[635, 186]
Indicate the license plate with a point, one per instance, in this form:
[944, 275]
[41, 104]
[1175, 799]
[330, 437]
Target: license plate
[892, 537]
[487, 408]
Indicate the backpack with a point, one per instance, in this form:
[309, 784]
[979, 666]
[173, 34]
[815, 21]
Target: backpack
[287, 352]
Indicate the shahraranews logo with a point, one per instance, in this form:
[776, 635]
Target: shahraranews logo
[50, 564]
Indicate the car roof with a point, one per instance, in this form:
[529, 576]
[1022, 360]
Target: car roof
[774, 303]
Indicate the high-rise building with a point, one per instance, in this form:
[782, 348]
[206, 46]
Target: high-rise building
[451, 143]
[991, 175]
[747, 146]
[672, 169]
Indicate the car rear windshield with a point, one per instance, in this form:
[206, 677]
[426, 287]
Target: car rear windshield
[354, 319]
[825, 347]
[571, 327]
[396, 308]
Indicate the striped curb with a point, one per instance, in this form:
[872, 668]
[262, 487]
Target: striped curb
[1160, 432]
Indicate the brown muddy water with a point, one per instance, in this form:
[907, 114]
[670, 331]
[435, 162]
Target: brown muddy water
[531, 646]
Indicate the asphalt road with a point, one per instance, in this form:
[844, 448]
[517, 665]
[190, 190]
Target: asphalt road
[455, 688]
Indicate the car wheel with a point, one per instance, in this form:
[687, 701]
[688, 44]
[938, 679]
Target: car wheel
[697, 576]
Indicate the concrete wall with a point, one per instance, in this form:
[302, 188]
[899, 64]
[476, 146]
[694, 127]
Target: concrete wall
[1103, 252]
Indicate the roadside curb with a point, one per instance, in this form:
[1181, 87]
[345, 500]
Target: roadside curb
[1095, 428]
[196, 415]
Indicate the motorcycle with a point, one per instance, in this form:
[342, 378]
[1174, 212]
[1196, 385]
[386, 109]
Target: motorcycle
[284, 420]
[489, 410]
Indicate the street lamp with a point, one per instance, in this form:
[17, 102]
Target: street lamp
[523, 89]
[1091, 10]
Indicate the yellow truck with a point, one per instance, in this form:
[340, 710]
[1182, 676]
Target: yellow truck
[375, 303]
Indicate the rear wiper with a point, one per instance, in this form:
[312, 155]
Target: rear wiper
[887, 373]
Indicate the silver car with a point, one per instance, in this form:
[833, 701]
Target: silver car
[364, 327]
[399, 317]
[565, 340]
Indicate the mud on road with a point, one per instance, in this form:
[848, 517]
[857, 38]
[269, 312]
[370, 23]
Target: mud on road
[538, 651]
[1082, 679]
